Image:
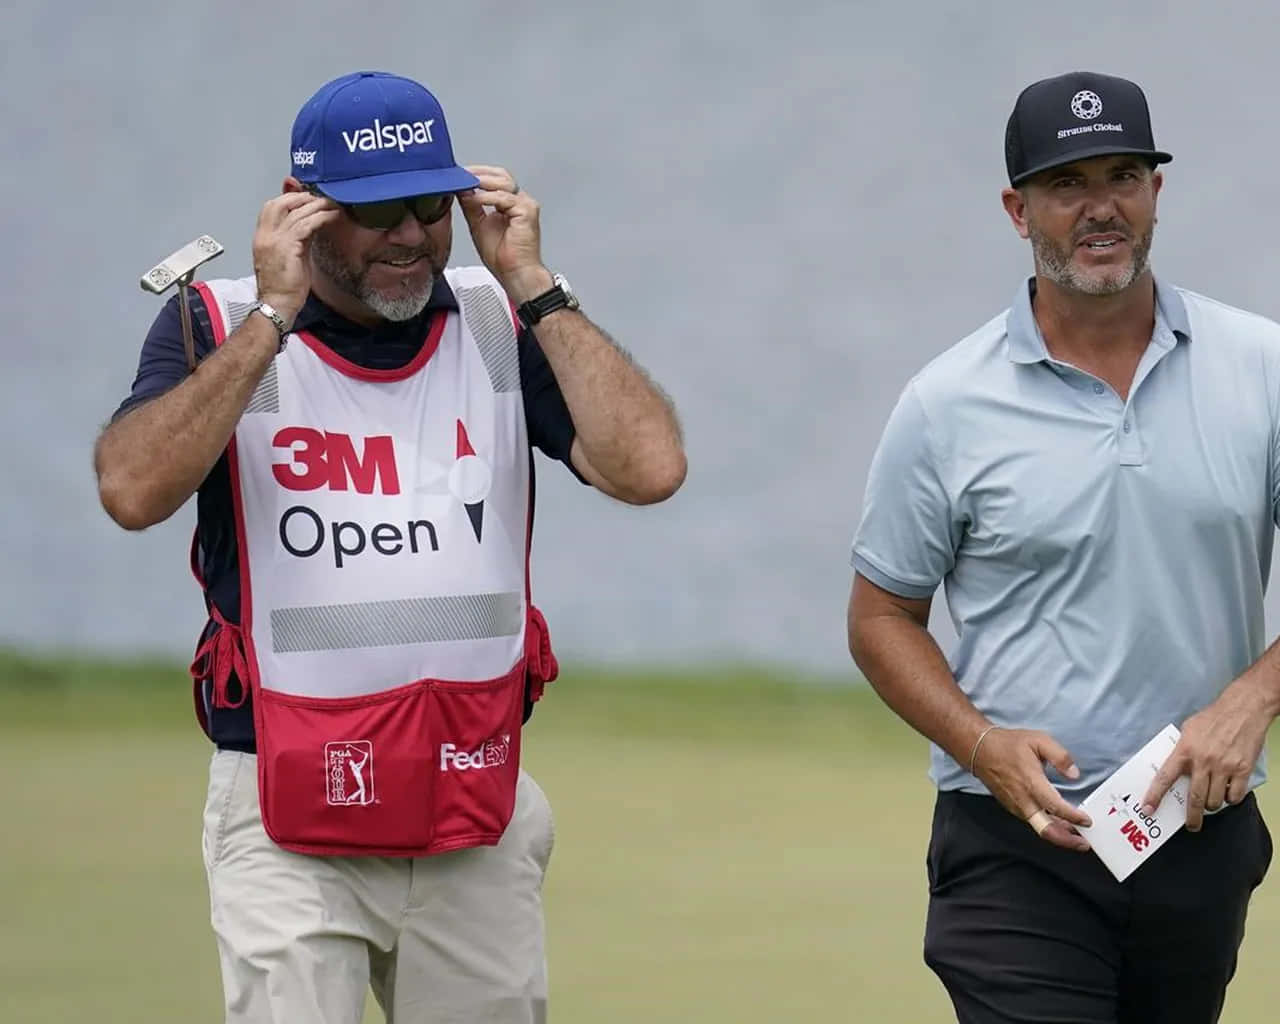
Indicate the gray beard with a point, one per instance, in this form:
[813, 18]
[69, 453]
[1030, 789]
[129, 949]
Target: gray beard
[398, 308]
[1056, 265]
[404, 305]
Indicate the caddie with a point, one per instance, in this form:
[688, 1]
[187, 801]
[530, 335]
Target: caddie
[359, 432]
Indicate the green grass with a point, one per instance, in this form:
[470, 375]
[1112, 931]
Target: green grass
[730, 848]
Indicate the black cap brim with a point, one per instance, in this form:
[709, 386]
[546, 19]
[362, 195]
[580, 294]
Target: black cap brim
[1154, 155]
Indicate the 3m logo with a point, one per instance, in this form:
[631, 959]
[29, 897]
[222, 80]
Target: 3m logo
[1132, 828]
[492, 754]
[325, 459]
[348, 770]
[1132, 831]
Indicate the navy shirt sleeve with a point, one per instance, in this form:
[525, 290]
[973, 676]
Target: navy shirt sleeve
[163, 361]
[551, 428]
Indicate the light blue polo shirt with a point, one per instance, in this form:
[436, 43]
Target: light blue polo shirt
[1104, 561]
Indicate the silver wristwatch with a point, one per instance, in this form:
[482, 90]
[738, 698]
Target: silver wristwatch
[559, 296]
[271, 314]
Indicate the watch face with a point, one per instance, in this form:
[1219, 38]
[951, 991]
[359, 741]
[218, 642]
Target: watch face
[563, 283]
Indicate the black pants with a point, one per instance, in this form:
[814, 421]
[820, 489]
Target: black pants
[1022, 932]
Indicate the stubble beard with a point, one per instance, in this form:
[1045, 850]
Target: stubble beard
[1055, 262]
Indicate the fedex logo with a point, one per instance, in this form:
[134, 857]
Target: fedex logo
[322, 458]
[492, 754]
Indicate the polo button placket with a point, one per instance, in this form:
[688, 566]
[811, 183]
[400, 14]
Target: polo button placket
[1130, 441]
[1128, 436]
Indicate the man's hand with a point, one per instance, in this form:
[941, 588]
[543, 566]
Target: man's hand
[507, 237]
[1218, 749]
[1011, 764]
[282, 248]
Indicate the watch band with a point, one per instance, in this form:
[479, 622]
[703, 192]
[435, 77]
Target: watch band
[558, 296]
[270, 313]
[541, 305]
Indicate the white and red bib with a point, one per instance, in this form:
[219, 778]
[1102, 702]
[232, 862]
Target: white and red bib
[386, 629]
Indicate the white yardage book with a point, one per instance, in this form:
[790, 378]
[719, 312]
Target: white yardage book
[1121, 835]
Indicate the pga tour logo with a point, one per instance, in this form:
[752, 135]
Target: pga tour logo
[348, 770]
[492, 754]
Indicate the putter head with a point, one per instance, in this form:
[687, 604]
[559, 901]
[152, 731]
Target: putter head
[181, 264]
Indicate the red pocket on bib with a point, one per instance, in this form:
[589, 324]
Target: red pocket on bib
[417, 770]
[349, 775]
[476, 735]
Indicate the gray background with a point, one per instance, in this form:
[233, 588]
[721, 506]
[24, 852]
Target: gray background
[783, 210]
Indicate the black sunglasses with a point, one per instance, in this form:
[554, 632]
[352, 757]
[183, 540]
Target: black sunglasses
[385, 215]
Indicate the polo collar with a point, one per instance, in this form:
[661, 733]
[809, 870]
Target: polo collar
[1026, 343]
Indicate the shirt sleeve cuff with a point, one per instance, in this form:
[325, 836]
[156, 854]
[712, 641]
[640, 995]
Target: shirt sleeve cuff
[913, 591]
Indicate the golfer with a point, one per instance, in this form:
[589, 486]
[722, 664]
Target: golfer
[1094, 476]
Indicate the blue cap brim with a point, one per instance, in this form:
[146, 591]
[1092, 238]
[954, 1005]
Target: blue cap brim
[400, 185]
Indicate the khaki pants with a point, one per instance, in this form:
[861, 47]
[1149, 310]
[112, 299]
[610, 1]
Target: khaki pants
[447, 939]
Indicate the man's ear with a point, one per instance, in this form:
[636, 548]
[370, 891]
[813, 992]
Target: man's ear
[1015, 205]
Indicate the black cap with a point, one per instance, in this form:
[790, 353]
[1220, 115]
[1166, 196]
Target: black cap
[1075, 116]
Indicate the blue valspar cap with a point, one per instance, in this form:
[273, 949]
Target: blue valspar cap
[370, 136]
